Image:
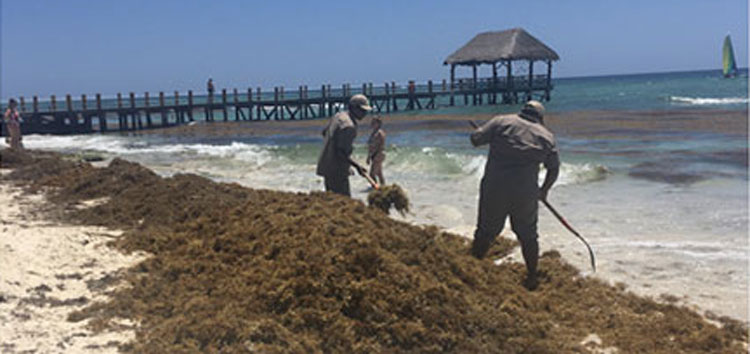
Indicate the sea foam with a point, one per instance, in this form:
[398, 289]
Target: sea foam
[707, 101]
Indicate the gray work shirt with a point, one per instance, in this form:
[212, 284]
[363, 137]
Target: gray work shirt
[338, 138]
[517, 147]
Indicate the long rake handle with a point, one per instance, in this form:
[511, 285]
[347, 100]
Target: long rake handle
[571, 229]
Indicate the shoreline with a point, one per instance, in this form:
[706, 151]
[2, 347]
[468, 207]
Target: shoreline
[574, 124]
[468, 268]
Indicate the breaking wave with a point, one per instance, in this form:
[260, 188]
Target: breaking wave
[707, 101]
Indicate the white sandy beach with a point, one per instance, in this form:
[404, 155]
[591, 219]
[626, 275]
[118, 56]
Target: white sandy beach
[48, 271]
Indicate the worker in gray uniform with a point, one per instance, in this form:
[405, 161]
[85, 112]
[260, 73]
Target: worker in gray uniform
[335, 158]
[519, 143]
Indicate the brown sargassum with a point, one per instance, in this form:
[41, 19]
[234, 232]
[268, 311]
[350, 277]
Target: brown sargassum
[387, 197]
[234, 269]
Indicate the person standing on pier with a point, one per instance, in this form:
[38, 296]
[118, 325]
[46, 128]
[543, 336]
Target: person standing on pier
[210, 88]
[335, 159]
[376, 150]
[13, 125]
[518, 145]
[210, 99]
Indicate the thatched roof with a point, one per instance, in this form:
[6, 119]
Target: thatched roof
[491, 47]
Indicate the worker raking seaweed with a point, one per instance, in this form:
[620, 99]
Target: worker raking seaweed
[335, 159]
[519, 143]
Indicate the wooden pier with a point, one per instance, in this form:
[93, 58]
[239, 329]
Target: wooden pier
[135, 112]
[499, 49]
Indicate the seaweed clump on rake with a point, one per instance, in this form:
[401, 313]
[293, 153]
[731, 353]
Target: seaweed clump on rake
[389, 196]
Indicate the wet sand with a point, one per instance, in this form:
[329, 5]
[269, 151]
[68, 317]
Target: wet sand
[234, 268]
[602, 124]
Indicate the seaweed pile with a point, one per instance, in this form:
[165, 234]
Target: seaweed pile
[235, 269]
[387, 197]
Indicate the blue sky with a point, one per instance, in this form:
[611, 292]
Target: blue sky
[89, 46]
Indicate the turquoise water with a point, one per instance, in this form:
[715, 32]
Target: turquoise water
[655, 91]
[666, 211]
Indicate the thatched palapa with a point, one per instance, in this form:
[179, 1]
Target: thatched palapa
[502, 48]
[492, 47]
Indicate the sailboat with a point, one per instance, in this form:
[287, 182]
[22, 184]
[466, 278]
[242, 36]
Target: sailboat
[729, 66]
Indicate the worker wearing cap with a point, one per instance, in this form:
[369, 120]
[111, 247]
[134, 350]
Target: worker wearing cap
[519, 143]
[335, 159]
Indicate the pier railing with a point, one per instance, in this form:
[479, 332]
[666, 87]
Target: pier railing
[134, 112]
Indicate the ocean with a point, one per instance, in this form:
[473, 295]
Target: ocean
[654, 175]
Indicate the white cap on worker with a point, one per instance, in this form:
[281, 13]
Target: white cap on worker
[533, 109]
[361, 101]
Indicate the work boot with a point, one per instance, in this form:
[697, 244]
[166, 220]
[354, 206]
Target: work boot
[479, 247]
[531, 282]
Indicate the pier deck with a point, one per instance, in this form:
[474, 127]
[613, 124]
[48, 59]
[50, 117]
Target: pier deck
[148, 112]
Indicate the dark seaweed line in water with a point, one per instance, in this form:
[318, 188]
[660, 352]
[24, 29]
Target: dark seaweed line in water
[236, 269]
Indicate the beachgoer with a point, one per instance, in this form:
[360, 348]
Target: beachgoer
[13, 124]
[335, 158]
[376, 150]
[518, 145]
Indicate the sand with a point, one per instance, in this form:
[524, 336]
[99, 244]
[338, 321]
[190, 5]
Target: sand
[236, 269]
[50, 269]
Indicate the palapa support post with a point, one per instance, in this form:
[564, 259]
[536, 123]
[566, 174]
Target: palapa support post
[453, 85]
[494, 84]
[509, 80]
[474, 84]
[549, 81]
[100, 112]
[190, 105]
[147, 108]
[531, 81]
[463, 89]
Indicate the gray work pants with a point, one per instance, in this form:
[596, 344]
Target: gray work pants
[503, 197]
[338, 184]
